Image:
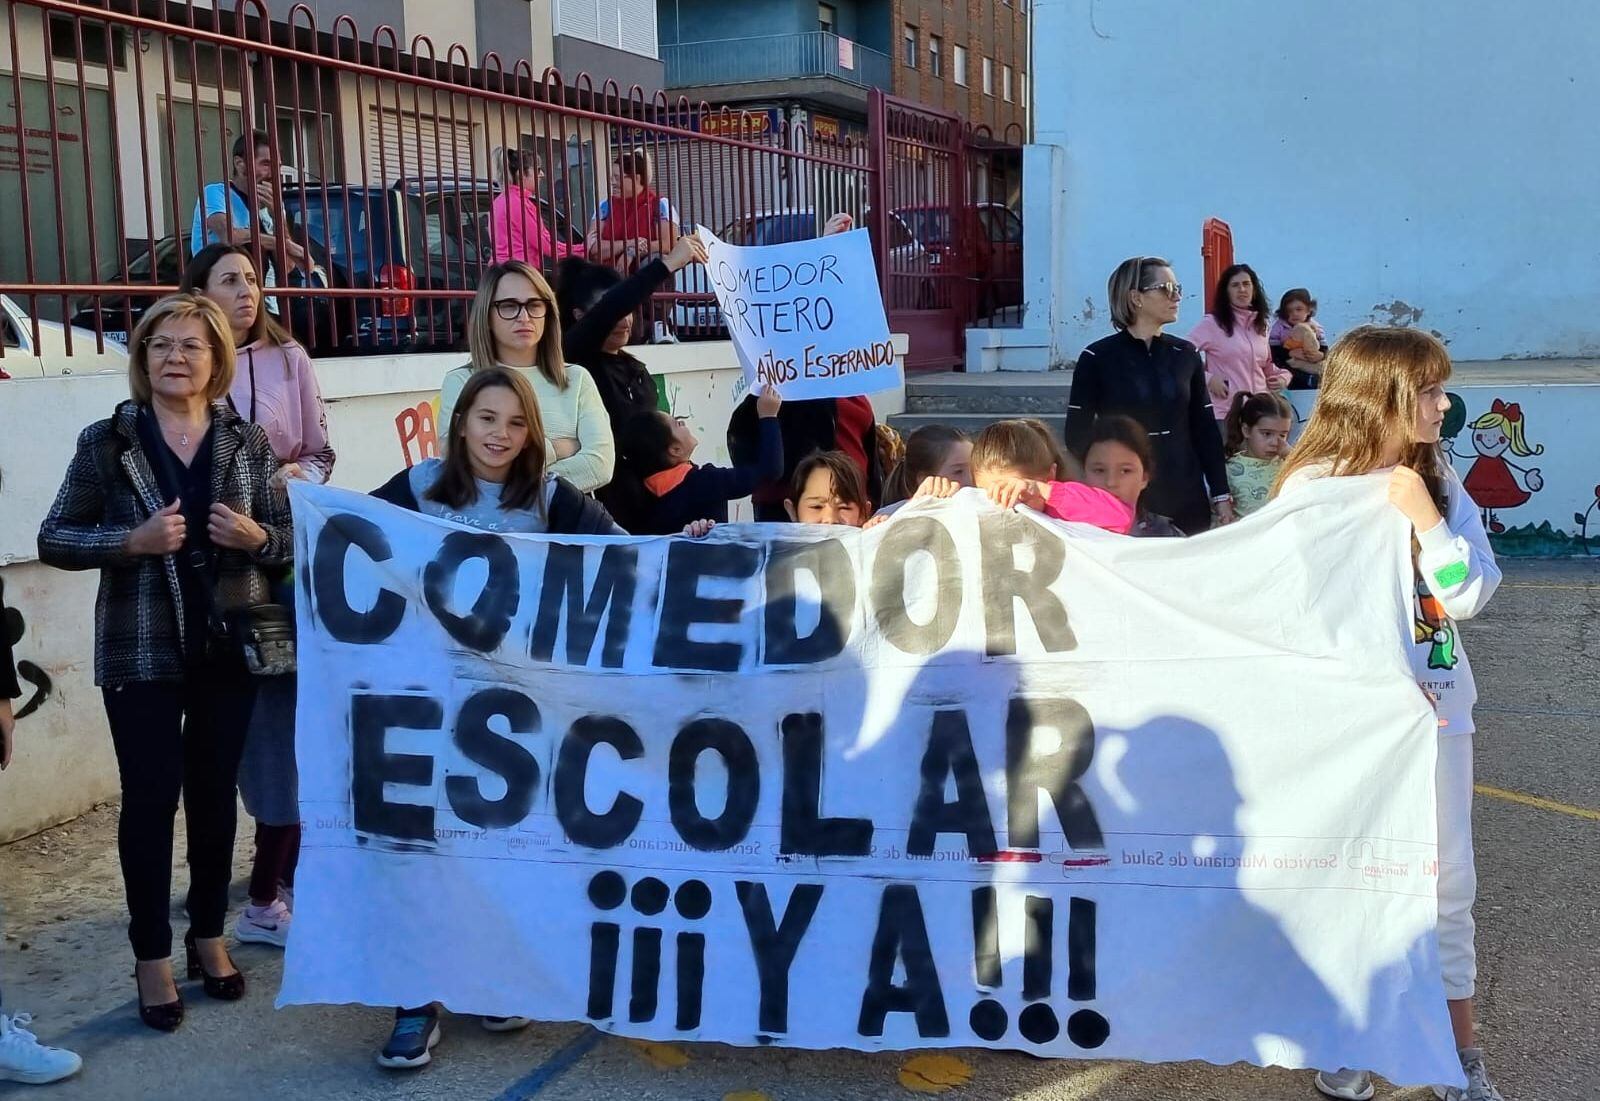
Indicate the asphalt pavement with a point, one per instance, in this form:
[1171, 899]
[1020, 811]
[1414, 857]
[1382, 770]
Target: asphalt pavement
[1536, 653]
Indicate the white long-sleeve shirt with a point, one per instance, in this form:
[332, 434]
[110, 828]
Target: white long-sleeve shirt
[1457, 576]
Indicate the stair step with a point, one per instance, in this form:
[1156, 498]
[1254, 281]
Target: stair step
[970, 423]
[1000, 394]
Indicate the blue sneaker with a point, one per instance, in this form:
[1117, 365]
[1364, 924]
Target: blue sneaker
[411, 1043]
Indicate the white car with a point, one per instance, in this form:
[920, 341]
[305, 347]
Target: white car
[48, 357]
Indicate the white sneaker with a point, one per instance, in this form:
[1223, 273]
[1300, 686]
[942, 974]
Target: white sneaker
[506, 1024]
[264, 924]
[1347, 1085]
[1479, 1088]
[24, 1059]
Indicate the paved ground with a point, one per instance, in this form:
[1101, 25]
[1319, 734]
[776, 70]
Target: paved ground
[1537, 656]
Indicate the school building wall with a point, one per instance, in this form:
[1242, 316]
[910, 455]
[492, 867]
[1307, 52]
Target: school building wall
[1430, 165]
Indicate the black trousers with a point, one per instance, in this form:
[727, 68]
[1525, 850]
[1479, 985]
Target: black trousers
[178, 737]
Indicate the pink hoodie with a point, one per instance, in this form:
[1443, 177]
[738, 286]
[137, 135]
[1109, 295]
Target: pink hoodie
[1078, 503]
[516, 226]
[1243, 360]
[275, 387]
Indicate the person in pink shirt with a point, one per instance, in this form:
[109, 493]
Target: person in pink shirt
[1017, 462]
[517, 227]
[1233, 338]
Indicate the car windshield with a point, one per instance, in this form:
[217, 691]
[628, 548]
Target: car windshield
[781, 229]
[351, 225]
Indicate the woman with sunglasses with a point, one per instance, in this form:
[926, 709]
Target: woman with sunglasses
[1159, 381]
[514, 324]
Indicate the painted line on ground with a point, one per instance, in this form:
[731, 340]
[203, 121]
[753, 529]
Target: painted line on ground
[1553, 712]
[562, 1060]
[1537, 802]
[1546, 585]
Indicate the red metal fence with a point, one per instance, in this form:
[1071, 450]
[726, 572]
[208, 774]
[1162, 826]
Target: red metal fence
[384, 163]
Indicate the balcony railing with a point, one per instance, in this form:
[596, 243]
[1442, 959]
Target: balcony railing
[774, 57]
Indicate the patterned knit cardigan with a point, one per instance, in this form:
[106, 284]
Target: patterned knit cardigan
[110, 489]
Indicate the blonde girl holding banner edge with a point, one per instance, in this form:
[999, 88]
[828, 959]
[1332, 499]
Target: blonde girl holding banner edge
[1380, 412]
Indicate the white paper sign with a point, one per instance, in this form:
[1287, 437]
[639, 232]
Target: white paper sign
[806, 316]
[970, 779]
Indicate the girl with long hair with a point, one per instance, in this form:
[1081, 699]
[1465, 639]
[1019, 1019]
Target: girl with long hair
[1380, 412]
[275, 386]
[513, 323]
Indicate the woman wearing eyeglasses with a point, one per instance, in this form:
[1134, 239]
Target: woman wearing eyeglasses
[1159, 381]
[513, 324]
[175, 500]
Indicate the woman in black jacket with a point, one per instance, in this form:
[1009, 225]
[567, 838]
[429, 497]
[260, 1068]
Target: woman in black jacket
[174, 500]
[597, 309]
[1159, 381]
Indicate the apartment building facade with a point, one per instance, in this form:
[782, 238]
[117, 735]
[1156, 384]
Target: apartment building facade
[971, 57]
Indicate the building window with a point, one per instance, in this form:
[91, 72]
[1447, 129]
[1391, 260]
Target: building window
[102, 45]
[935, 55]
[1005, 83]
[909, 53]
[988, 76]
[1022, 88]
[828, 16]
[958, 61]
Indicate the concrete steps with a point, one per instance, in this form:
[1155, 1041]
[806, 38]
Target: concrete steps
[971, 401]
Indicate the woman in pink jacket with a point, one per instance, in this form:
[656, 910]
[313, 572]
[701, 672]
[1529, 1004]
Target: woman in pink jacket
[516, 221]
[275, 387]
[1233, 338]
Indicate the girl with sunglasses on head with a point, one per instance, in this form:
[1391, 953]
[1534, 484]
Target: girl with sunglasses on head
[514, 324]
[1158, 380]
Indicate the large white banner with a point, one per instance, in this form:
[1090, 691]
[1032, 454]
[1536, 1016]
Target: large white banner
[971, 778]
[805, 316]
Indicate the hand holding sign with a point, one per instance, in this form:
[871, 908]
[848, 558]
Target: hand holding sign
[807, 316]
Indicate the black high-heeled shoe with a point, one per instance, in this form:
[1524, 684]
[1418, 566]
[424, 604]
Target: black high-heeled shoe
[227, 988]
[162, 1018]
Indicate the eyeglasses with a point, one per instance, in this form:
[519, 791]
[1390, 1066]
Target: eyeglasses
[1173, 290]
[510, 309]
[162, 347]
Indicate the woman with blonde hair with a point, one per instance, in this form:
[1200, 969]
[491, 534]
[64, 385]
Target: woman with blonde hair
[1380, 411]
[174, 499]
[1159, 380]
[514, 324]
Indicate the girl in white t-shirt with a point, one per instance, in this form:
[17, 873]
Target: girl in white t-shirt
[1381, 409]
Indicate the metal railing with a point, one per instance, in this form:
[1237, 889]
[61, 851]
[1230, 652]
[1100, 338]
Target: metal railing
[774, 57]
[384, 163]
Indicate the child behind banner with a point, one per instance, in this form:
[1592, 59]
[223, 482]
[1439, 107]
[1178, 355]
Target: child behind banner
[658, 491]
[1121, 461]
[1255, 438]
[1018, 462]
[827, 488]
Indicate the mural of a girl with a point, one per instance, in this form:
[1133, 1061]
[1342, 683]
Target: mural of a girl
[1493, 480]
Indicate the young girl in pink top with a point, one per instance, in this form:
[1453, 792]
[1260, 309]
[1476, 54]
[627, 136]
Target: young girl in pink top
[1017, 462]
[1233, 338]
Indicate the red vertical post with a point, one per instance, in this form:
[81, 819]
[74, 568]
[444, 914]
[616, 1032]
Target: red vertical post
[1216, 249]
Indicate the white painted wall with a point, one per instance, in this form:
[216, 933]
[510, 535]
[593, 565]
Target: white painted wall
[1430, 164]
[64, 764]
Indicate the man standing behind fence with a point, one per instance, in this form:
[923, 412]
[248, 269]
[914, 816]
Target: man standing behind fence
[235, 211]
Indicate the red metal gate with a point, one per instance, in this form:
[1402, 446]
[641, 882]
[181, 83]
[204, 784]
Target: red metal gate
[919, 198]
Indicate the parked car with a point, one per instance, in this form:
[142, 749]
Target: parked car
[426, 234]
[995, 232]
[26, 358]
[116, 315]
